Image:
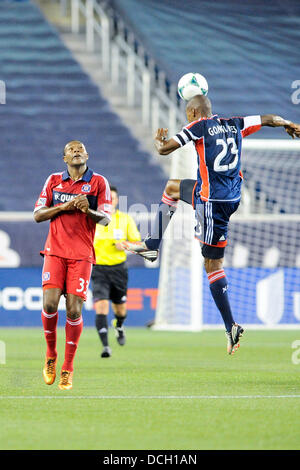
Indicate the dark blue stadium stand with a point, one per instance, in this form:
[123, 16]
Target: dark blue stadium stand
[50, 101]
[248, 50]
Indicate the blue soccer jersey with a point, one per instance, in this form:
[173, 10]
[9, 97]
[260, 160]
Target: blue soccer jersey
[218, 143]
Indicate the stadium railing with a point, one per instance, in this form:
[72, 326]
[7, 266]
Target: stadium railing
[125, 60]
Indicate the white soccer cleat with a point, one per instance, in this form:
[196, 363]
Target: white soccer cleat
[140, 248]
[233, 338]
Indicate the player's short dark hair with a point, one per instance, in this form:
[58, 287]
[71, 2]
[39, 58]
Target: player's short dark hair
[113, 188]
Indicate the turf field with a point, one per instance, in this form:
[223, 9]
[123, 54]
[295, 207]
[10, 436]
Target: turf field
[161, 391]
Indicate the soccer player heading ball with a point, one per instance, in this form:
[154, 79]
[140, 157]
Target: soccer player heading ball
[216, 193]
[74, 200]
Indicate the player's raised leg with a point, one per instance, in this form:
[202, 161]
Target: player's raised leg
[74, 327]
[165, 212]
[102, 309]
[149, 247]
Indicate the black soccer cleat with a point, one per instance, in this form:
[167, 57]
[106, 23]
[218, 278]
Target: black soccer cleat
[106, 352]
[233, 338]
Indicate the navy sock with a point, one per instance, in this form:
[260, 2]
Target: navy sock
[218, 288]
[102, 328]
[166, 209]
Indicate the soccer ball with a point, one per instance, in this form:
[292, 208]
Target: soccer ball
[192, 84]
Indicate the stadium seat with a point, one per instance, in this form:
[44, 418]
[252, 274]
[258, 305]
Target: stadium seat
[50, 101]
[238, 46]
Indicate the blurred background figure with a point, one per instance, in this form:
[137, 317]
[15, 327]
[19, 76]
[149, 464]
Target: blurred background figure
[110, 274]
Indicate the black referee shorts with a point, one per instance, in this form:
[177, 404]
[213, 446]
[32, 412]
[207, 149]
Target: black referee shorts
[110, 283]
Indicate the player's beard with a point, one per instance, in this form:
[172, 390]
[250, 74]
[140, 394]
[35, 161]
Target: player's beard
[77, 164]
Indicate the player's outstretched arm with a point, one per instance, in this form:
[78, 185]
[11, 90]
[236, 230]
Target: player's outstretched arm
[46, 213]
[163, 145]
[272, 120]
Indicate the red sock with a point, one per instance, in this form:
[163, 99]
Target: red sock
[73, 331]
[49, 323]
[170, 201]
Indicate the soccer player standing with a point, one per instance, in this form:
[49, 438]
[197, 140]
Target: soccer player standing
[74, 201]
[110, 274]
[215, 194]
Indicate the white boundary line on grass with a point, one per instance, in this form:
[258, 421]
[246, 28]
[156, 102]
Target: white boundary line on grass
[150, 397]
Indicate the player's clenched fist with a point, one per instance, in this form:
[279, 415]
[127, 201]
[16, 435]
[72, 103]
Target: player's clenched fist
[68, 206]
[293, 130]
[160, 138]
[161, 134]
[81, 202]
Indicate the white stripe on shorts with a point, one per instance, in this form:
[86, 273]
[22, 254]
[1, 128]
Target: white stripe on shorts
[209, 223]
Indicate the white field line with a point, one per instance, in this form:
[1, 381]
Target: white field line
[149, 397]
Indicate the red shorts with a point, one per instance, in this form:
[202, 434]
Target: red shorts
[70, 275]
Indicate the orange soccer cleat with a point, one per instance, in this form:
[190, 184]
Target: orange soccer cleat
[49, 371]
[65, 382]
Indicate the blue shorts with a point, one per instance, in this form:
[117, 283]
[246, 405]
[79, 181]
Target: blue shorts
[212, 220]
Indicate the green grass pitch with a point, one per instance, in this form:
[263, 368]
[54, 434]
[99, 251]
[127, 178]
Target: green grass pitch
[143, 378]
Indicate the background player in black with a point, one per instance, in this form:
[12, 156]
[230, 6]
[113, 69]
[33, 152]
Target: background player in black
[110, 274]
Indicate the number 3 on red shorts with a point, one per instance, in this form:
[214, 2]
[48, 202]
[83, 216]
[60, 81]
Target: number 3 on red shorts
[83, 283]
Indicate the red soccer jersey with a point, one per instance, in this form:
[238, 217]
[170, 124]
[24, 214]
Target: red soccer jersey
[71, 233]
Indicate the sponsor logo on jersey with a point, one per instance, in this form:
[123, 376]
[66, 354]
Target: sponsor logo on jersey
[42, 201]
[63, 197]
[46, 276]
[222, 238]
[86, 188]
[60, 197]
[59, 186]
